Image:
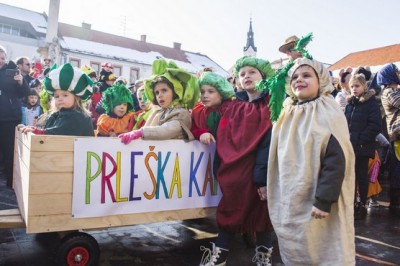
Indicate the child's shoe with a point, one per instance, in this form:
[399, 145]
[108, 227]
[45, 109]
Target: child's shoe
[360, 211]
[215, 257]
[263, 256]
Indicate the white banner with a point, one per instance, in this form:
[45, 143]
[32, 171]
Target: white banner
[144, 176]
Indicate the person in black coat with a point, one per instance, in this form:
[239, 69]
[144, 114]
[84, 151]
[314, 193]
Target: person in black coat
[364, 120]
[12, 88]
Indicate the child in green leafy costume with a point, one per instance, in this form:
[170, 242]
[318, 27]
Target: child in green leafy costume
[174, 91]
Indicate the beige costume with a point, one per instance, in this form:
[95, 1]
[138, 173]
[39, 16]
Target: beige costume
[298, 145]
[168, 123]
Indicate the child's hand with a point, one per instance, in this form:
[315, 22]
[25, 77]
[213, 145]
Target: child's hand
[126, 138]
[26, 129]
[207, 138]
[262, 192]
[318, 214]
[19, 126]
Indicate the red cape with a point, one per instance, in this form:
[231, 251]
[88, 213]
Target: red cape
[200, 114]
[240, 131]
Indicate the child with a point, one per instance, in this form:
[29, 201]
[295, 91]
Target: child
[118, 117]
[96, 96]
[215, 92]
[388, 77]
[48, 106]
[341, 96]
[106, 71]
[36, 84]
[310, 180]
[69, 86]
[171, 89]
[31, 109]
[364, 119]
[242, 144]
[146, 108]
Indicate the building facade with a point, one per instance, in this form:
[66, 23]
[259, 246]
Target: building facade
[39, 36]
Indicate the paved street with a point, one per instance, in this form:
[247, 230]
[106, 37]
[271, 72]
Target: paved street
[178, 242]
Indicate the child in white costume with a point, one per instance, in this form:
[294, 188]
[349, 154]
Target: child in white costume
[310, 181]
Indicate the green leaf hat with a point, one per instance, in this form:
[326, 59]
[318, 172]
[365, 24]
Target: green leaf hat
[262, 65]
[218, 82]
[185, 85]
[69, 78]
[116, 95]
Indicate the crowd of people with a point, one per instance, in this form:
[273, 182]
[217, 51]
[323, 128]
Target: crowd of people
[301, 151]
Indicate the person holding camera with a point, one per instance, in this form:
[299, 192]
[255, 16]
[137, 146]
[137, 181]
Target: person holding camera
[12, 88]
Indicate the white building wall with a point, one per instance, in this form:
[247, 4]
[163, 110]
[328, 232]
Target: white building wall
[16, 49]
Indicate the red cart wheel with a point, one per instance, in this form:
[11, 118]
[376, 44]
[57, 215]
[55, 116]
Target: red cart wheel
[78, 249]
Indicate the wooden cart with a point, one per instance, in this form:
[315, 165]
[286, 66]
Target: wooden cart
[43, 179]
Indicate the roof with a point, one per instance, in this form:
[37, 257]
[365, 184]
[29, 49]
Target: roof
[373, 57]
[37, 20]
[88, 41]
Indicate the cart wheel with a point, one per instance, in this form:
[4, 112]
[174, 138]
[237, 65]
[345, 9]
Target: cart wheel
[78, 249]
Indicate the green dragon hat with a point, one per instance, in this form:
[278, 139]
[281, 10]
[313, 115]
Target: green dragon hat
[276, 85]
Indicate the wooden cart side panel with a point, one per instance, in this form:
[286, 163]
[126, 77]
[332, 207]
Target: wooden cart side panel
[21, 173]
[21, 189]
[60, 162]
[51, 143]
[50, 204]
[51, 182]
[58, 223]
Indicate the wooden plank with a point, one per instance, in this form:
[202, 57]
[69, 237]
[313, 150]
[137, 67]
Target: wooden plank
[50, 204]
[55, 162]
[53, 143]
[23, 153]
[11, 219]
[21, 188]
[25, 139]
[59, 223]
[9, 212]
[50, 182]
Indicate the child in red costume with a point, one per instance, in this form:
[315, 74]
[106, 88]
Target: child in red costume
[243, 137]
[215, 95]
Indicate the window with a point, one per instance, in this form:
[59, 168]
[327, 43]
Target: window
[75, 62]
[15, 31]
[117, 71]
[6, 29]
[96, 67]
[134, 75]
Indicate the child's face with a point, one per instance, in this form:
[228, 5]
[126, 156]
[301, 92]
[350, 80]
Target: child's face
[143, 105]
[345, 84]
[210, 97]
[38, 89]
[64, 99]
[248, 77]
[357, 89]
[164, 94]
[32, 99]
[305, 83]
[120, 110]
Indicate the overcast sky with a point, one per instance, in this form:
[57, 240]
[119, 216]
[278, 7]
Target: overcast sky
[218, 28]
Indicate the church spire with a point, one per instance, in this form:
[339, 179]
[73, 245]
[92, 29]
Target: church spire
[250, 49]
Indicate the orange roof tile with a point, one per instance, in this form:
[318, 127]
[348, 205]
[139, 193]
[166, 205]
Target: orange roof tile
[373, 57]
